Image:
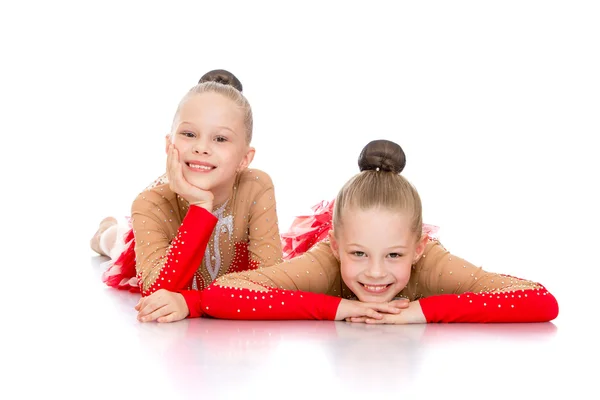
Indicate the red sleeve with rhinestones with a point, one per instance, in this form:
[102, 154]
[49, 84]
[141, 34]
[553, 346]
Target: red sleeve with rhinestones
[270, 304]
[193, 299]
[175, 270]
[528, 305]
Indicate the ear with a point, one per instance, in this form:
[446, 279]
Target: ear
[421, 247]
[247, 159]
[335, 249]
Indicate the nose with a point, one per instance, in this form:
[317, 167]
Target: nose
[375, 269]
[201, 146]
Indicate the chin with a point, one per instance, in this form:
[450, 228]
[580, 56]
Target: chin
[203, 184]
[367, 297]
[373, 298]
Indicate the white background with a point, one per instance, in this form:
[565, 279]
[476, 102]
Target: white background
[496, 105]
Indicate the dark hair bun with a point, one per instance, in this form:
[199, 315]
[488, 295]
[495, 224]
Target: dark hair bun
[382, 155]
[222, 76]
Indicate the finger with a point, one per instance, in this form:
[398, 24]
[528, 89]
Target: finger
[141, 303]
[160, 312]
[386, 308]
[178, 166]
[169, 159]
[372, 321]
[153, 305]
[172, 317]
[148, 301]
[176, 172]
[171, 163]
[371, 313]
[148, 309]
[356, 319]
[402, 303]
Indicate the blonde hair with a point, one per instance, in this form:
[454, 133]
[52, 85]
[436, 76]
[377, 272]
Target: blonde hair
[227, 91]
[380, 185]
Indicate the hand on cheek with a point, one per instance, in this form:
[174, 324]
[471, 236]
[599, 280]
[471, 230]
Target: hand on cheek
[178, 184]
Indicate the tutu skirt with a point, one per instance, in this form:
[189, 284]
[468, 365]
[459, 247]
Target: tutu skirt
[120, 269]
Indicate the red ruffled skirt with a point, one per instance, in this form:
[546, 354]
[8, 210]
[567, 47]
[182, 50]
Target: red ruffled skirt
[120, 270]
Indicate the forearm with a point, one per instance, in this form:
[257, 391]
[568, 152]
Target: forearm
[531, 305]
[193, 300]
[412, 315]
[175, 269]
[266, 304]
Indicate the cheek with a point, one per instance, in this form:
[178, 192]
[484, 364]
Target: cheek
[184, 145]
[178, 143]
[402, 272]
[233, 156]
[349, 270]
[234, 153]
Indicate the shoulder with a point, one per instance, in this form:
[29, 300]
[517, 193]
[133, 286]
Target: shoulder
[252, 178]
[161, 180]
[160, 197]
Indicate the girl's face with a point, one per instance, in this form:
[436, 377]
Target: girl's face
[376, 249]
[210, 136]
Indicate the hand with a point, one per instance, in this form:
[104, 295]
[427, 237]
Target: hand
[357, 309]
[178, 184]
[413, 314]
[162, 306]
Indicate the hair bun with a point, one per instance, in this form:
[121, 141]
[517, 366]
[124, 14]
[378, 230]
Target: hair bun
[382, 155]
[222, 76]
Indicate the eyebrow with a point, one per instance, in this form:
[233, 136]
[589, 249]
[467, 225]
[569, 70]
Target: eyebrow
[218, 127]
[227, 129]
[389, 248]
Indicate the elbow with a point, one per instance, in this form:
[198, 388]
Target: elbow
[552, 308]
[545, 309]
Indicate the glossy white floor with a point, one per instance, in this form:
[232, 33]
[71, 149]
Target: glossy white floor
[495, 103]
[85, 342]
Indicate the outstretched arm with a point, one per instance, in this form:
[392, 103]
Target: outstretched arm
[454, 290]
[315, 271]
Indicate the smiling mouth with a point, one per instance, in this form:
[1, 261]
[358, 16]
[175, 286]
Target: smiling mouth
[375, 288]
[200, 167]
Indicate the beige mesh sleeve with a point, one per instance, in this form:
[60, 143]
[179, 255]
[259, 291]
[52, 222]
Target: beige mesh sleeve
[154, 228]
[161, 180]
[440, 272]
[263, 230]
[315, 271]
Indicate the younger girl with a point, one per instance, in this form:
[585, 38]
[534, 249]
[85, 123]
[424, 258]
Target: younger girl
[214, 215]
[377, 266]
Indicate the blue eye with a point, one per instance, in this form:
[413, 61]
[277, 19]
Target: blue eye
[358, 253]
